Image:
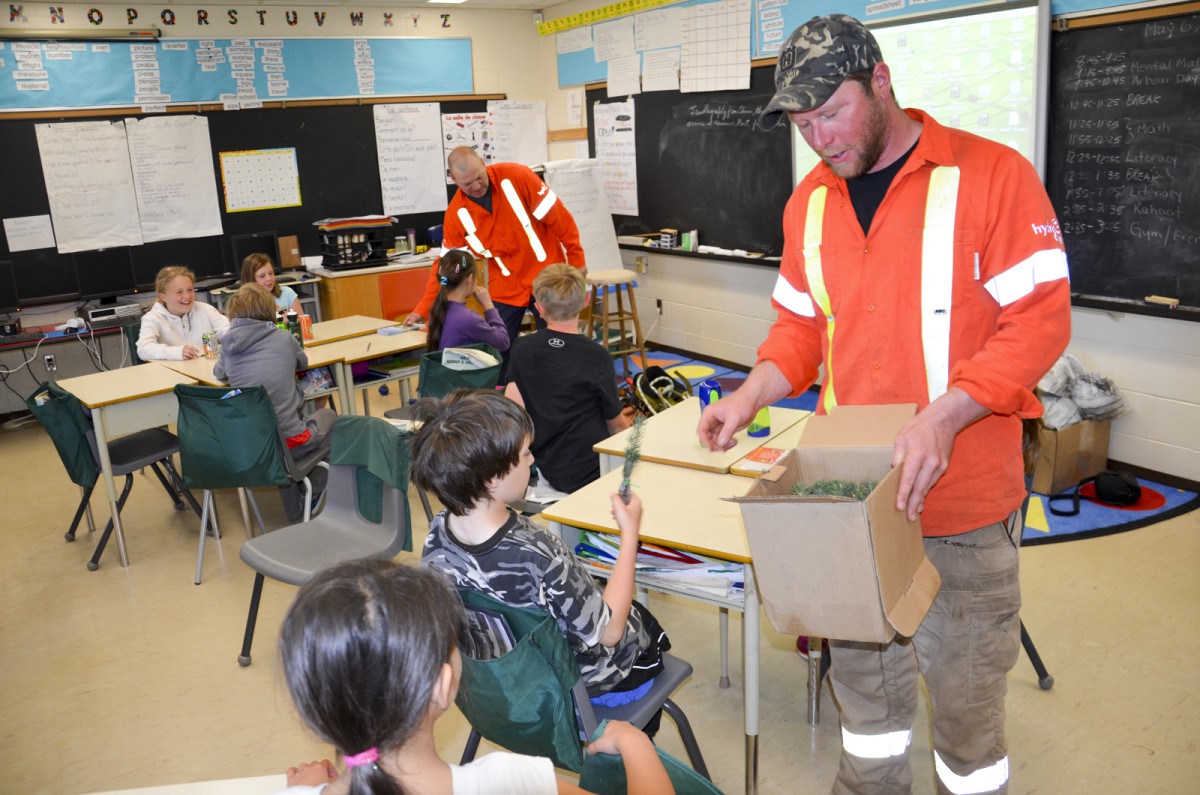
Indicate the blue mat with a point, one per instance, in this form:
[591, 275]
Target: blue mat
[1158, 502]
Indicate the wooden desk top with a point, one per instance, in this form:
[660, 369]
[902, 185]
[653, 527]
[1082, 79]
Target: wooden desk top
[784, 441]
[128, 383]
[682, 509]
[369, 346]
[200, 369]
[344, 328]
[670, 438]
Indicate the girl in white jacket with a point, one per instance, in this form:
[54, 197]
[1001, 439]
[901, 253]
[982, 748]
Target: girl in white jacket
[174, 326]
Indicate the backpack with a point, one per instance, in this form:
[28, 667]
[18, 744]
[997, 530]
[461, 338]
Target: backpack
[655, 390]
[1112, 488]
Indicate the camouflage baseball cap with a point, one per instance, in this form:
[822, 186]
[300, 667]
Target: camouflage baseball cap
[815, 60]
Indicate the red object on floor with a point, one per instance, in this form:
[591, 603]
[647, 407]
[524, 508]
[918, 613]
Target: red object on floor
[1150, 500]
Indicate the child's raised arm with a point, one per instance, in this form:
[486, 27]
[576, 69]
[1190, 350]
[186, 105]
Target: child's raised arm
[618, 594]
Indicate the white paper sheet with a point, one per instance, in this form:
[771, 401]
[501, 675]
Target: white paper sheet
[616, 149]
[613, 39]
[660, 70]
[624, 76]
[467, 129]
[573, 40]
[716, 47]
[173, 177]
[579, 185]
[412, 169]
[90, 185]
[518, 130]
[661, 27]
[29, 233]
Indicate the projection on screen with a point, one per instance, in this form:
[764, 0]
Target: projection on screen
[977, 73]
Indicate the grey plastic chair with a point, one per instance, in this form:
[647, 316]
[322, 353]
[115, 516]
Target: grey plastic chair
[230, 438]
[295, 553]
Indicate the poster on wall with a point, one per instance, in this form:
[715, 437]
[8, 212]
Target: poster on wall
[518, 130]
[89, 183]
[467, 129]
[411, 164]
[260, 179]
[173, 178]
[616, 149]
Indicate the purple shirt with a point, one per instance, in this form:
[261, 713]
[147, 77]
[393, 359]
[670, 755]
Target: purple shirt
[463, 327]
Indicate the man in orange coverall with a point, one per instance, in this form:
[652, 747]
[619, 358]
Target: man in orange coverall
[938, 256]
[505, 214]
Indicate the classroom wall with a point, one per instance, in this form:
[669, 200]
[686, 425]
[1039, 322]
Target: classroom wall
[506, 48]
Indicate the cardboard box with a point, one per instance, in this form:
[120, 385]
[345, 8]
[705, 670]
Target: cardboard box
[289, 252]
[1070, 454]
[834, 567]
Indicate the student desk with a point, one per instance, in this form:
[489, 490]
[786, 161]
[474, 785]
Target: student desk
[784, 441]
[344, 328]
[201, 369]
[670, 438]
[682, 509]
[124, 401]
[363, 348]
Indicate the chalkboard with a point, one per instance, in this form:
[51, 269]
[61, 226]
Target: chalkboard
[339, 176]
[1124, 159]
[703, 165]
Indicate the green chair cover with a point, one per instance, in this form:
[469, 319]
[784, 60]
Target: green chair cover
[63, 417]
[604, 774]
[228, 438]
[436, 380]
[522, 701]
[384, 452]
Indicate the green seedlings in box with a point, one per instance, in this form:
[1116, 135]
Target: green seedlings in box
[855, 490]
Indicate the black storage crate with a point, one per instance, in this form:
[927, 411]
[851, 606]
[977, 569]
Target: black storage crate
[355, 246]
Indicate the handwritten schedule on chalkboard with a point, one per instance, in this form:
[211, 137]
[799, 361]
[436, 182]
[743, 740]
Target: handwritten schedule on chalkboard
[702, 164]
[1124, 165]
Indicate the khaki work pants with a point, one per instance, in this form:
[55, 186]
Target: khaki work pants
[964, 649]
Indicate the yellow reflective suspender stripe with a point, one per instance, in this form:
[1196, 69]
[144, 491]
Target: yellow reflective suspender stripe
[464, 217]
[813, 222]
[937, 277]
[523, 217]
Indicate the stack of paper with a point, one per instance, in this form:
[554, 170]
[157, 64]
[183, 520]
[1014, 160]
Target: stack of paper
[672, 567]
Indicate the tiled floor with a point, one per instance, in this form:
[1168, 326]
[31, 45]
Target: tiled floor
[128, 677]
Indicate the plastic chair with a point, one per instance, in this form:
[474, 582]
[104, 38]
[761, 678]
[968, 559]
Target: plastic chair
[230, 438]
[63, 417]
[605, 774]
[366, 515]
[531, 699]
[436, 380]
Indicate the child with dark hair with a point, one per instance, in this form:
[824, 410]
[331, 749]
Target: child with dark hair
[370, 652]
[255, 351]
[472, 451]
[451, 323]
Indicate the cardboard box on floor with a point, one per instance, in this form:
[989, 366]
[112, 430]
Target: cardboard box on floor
[834, 567]
[1070, 454]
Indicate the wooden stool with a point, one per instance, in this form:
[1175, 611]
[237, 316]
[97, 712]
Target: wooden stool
[621, 282]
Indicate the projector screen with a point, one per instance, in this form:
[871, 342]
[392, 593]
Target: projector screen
[984, 71]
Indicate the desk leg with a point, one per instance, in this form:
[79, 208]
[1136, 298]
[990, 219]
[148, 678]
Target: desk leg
[723, 619]
[99, 420]
[345, 384]
[814, 681]
[750, 666]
